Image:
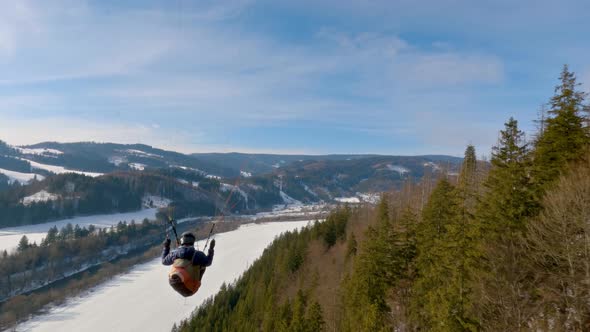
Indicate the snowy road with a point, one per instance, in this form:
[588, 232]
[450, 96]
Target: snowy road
[143, 301]
[9, 237]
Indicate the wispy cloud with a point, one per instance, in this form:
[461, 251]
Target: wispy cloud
[70, 41]
[396, 72]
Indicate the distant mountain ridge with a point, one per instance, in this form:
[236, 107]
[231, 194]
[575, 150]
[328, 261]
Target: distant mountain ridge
[257, 181]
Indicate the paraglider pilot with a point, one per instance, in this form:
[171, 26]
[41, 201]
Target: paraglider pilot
[188, 264]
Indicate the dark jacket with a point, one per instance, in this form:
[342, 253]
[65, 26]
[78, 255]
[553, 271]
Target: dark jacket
[187, 252]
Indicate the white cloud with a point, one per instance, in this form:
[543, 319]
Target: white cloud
[191, 70]
[71, 41]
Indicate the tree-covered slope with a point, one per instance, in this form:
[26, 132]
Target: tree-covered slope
[498, 249]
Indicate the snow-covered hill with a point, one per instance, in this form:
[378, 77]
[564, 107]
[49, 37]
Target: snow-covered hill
[142, 300]
[22, 178]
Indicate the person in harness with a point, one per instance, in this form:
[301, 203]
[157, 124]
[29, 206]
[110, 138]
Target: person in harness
[188, 264]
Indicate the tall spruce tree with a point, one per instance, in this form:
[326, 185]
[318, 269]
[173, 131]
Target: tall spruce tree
[505, 286]
[462, 241]
[565, 137]
[23, 244]
[375, 271]
[434, 299]
[468, 177]
[509, 198]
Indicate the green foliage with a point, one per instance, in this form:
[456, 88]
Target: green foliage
[432, 303]
[509, 199]
[334, 227]
[564, 138]
[23, 244]
[447, 253]
[468, 175]
[256, 302]
[385, 259]
[351, 248]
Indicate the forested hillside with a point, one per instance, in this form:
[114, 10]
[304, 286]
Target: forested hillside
[68, 195]
[504, 249]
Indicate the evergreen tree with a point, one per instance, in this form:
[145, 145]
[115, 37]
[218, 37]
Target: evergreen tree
[565, 137]
[435, 297]
[462, 243]
[23, 244]
[375, 271]
[51, 237]
[315, 318]
[505, 288]
[405, 241]
[351, 246]
[509, 199]
[468, 176]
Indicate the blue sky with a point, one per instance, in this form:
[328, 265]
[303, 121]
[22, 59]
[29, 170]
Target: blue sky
[389, 77]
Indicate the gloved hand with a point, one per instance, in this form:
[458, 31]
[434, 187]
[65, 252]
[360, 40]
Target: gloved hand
[167, 243]
[212, 245]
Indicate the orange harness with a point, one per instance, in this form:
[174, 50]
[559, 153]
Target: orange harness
[189, 274]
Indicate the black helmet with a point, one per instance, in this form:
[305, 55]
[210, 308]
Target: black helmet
[187, 238]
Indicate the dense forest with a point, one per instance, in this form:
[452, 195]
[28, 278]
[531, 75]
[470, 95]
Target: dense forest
[503, 248]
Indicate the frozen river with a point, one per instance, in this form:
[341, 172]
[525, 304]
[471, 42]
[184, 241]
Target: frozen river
[142, 300]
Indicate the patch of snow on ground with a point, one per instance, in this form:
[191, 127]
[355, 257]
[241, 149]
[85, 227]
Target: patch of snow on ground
[396, 168]
[229, 187]
[59, 169]
[288, 199]
[183, 181]
[145, 289]
[152, 201]
[137, 166]
[309, 190]
[42, 196]
[117, 160]
[209, 176]
[254, 186]
[22, 178]
[245, 174]
[434, 166]
[190, 169]
[372, 198]
[347, 199]
[140, 153]
[308, 211]
[9, 237]
[40, 151]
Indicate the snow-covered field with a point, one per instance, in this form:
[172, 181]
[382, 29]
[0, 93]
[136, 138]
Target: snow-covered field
[41, 196]
[40, 152]
[58, 169]
[347, 199]
[143, 301]
[22, 178]
[9, 237]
